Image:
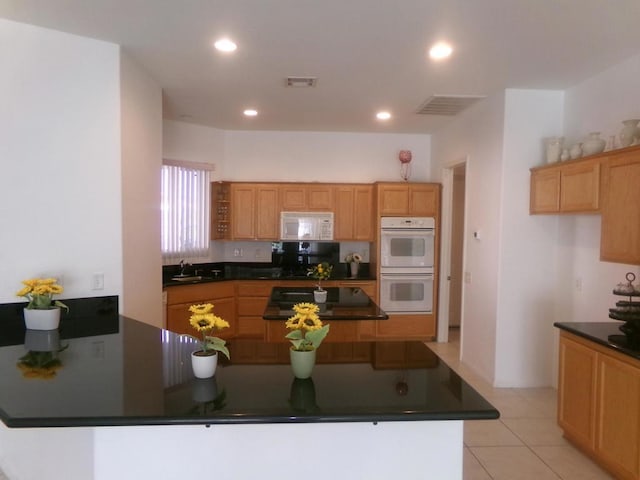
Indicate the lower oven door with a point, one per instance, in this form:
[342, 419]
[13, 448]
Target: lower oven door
[406, 292]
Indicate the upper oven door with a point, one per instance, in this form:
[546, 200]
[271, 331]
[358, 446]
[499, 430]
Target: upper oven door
[407, 248]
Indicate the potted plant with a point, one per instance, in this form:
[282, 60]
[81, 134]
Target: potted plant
[321, 271]
[306, 335]
[353, 259]
[42, 312]
[205, 361]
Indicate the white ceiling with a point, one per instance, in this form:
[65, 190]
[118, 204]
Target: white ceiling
[367, 54]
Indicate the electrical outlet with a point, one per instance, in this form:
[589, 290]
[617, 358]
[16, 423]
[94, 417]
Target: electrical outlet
[97, 281]
[579, 284]
[467, 277]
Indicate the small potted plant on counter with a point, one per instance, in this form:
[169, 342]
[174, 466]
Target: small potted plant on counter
[205, 360]
[321, 271]
[306, 335]
[42, 312]
[353, 259]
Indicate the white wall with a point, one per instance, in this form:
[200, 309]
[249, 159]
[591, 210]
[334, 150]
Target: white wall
[597, 104]
[477, 133]
[141, 162]
[527, 263]
[60, 185]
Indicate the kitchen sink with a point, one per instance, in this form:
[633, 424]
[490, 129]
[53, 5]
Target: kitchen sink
[190, 278]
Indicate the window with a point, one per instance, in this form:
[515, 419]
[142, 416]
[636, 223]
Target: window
[185, 211]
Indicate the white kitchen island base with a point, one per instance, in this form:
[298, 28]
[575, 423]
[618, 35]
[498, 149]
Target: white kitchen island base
[313, 451]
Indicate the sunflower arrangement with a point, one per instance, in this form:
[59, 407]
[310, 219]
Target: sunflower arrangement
[307, 331]
[321, 271]
[39, 292]
[204, 321]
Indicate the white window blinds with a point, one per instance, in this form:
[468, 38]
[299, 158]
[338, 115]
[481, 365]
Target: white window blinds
[185, 212]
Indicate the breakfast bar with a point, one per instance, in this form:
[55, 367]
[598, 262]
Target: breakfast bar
[123, 403]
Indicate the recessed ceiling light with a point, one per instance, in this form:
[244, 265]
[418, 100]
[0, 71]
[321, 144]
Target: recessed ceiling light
[225, 45]
[250, 112]
[383, 115]
[440, 50]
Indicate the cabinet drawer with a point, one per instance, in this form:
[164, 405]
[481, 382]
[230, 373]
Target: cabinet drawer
[255, 289]
[199, 292]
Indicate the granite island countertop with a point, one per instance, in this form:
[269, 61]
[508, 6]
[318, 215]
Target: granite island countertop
[116, 371]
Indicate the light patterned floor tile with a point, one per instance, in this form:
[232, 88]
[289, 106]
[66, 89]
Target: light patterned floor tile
[510, 463]
[471, 468]
[570, 464]
[536, 431]
[488, 433]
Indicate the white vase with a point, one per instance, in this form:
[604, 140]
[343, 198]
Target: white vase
[320, 296]
[204, 366]
[35, 319]
[302, 363]
[629, 132]
[353, 267]
[576, 151]
[554, 148]
[593, 144]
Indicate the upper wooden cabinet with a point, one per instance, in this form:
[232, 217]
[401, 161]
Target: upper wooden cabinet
[415, 199]
[303, 197]
[255, 214]
[220, 211]
[620, 232]
[573, 187]
[354, 212]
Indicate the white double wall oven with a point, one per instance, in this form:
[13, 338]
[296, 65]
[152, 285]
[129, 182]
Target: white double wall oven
[407, 264]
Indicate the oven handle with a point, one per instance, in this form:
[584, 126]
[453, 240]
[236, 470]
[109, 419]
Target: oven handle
[409, 231]
[406, 275]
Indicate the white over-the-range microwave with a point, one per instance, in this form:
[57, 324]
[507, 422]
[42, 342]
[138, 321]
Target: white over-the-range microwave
[301, 226]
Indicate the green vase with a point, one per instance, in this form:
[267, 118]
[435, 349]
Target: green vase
[302, 363]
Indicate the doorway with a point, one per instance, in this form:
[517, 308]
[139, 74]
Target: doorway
[450, 313]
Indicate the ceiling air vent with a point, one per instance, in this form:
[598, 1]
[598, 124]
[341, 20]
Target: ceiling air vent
[302, 82]
[447, 104]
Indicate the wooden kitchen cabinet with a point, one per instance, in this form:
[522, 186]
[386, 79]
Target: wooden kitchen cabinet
[220, 211]
[354, 212]
[411, 199]
[405, 327]
[620, 231]
[577, 392]
[571, 187]
[599, 403]
[180, 298]
[252, 300]
[306, 197]
[255, 211]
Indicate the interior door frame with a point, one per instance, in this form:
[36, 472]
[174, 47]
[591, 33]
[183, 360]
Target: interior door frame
[445, 249]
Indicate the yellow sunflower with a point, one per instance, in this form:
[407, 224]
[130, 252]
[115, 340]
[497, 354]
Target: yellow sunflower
[306, 308]
[203, 322]
[201, 309]
[312, 322]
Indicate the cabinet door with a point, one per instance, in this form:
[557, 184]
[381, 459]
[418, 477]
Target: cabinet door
[618, 427]
[544, 196]
[293, 197]
[576, 392]
[267, 217]
[363, 213]
[320, 197]
[243, 206]
[393, 200]
[344, 213]
[620, 232]
[580, 187]
[424, 200]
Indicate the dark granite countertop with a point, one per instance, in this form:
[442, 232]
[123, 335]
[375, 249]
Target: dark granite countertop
[607, 334]
[115, 371]
[345, 303]
[211, 273]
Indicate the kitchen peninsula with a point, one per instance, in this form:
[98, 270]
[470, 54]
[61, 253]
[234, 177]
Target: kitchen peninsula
[131, 407]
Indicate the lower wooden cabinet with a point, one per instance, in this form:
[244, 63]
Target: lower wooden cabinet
[599, 404]
[416, 327]
[252, 298]
[180, 298]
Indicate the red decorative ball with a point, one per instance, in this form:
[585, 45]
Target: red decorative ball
[404, 156]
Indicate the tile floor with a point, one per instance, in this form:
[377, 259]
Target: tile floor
[525, 442]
